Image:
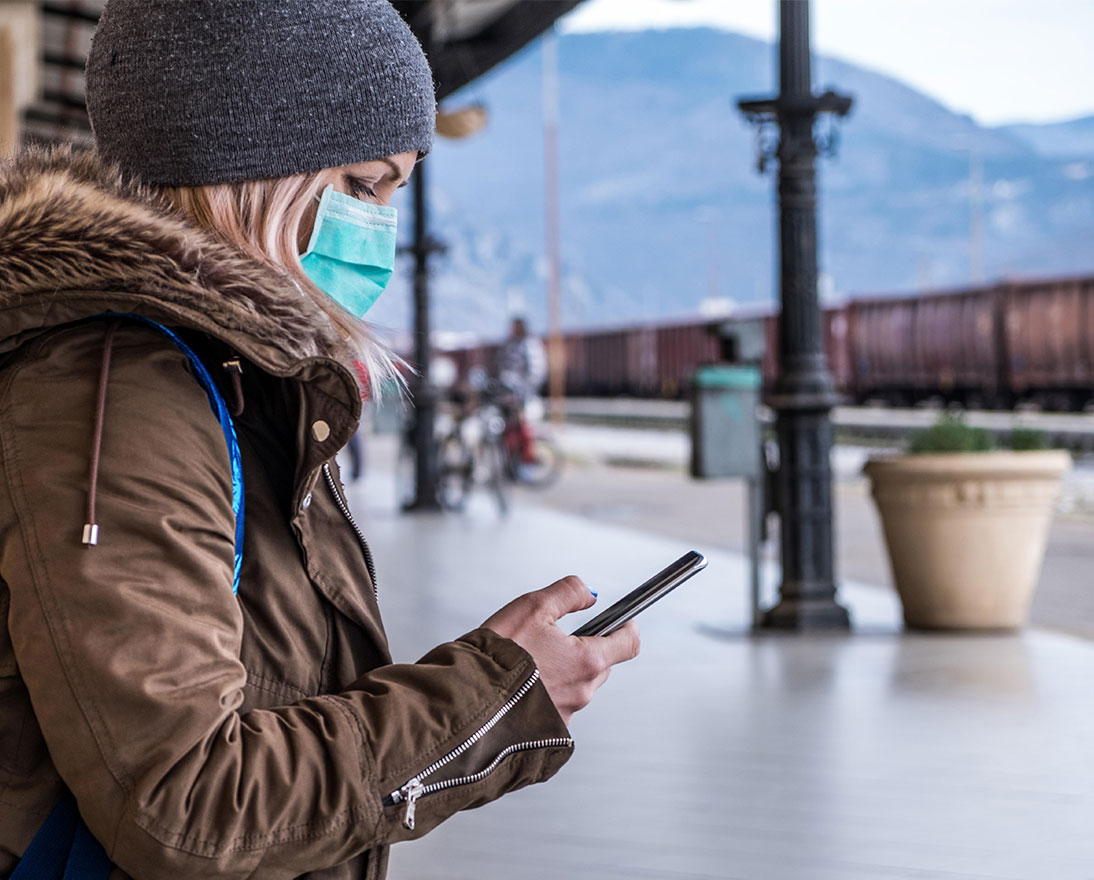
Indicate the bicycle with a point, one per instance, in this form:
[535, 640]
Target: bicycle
[470, 453]
[483, 439]
[532, 457]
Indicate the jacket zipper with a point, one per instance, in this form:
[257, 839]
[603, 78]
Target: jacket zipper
[415, 788]
[369, 564]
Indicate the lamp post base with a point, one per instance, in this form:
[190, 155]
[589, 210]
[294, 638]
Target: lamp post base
[423, 506]
[807, 614]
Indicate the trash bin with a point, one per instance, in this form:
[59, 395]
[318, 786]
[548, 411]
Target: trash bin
[725, 431]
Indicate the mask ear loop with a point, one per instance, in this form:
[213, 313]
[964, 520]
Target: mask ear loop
[323, 199]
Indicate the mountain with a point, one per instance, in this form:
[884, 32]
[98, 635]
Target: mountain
[1073, 139]
[662, 208]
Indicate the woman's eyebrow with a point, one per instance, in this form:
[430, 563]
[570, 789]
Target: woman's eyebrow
[395, 172]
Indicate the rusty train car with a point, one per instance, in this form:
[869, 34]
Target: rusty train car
[1000, 345]
[1018, 342]
[943, 345]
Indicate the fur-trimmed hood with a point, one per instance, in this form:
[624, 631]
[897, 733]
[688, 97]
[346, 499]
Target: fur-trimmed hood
[77, 239]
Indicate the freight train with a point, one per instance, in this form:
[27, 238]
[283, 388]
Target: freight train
[1000, 346]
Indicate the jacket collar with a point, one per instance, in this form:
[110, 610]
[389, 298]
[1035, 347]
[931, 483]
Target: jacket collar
[78, 239]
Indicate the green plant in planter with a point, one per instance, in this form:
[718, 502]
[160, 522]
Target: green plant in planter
[951, 434]
[966, 532]
[1028, 440]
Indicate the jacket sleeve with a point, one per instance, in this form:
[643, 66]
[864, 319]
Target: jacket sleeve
[130, 649]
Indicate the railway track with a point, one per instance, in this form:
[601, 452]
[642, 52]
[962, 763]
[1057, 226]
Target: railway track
[859, 423]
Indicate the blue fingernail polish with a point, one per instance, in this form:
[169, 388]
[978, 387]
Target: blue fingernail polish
[594, 592]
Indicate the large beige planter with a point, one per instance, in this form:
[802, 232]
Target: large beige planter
[966, 533]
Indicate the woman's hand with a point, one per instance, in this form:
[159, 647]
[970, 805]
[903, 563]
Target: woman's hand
[571, 668]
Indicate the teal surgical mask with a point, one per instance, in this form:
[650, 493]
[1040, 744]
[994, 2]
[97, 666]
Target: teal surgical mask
[351, 254]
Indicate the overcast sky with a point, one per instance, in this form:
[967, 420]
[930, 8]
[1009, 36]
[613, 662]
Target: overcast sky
[1000, 60]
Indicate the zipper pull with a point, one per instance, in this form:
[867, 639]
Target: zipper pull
[411, 792]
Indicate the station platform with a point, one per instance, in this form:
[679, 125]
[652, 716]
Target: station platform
[720, 754]
[1074, 431]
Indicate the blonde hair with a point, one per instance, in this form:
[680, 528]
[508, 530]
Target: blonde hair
[263, 219]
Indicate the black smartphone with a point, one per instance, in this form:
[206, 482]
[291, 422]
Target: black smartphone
[661, 584]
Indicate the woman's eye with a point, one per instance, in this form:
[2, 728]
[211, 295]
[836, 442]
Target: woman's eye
[358, 188]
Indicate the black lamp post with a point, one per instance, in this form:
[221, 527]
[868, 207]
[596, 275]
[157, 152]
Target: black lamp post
[804, 393]
[424, 395]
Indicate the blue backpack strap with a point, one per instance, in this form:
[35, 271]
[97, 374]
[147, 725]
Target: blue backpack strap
[87, 860]
[220, 410]
[63, 843]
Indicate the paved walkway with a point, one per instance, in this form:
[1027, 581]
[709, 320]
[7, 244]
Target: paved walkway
[719, 755]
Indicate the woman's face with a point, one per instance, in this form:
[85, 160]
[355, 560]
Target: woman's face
[374, 181]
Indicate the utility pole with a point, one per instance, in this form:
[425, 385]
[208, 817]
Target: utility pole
[976, 216]
[804, 392]
[556, 352]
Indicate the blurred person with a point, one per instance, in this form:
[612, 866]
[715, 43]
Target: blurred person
[355, 446]
[355, 449]
[522, 362]
[199, 684]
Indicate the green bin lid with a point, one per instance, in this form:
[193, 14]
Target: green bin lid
[722, 376]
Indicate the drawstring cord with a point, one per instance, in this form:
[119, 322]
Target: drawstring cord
[91, 528]
[220, 410]
[234, 368]
[90, 537]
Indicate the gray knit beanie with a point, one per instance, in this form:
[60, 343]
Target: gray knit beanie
[190, 92]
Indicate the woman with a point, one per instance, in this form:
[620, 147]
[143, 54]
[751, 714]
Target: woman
[206, 670]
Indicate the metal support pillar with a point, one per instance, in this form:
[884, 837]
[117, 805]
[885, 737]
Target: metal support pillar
[804, 393]
[424, 395]
[9, 114]
[19, 75]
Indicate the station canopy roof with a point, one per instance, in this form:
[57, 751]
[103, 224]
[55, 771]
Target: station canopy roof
[464, 39]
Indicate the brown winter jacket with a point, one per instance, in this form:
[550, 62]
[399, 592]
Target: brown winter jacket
[204, 734]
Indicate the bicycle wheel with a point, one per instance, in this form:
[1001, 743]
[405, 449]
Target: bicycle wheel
[454, 478]
[545, 466]
[492, 470]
